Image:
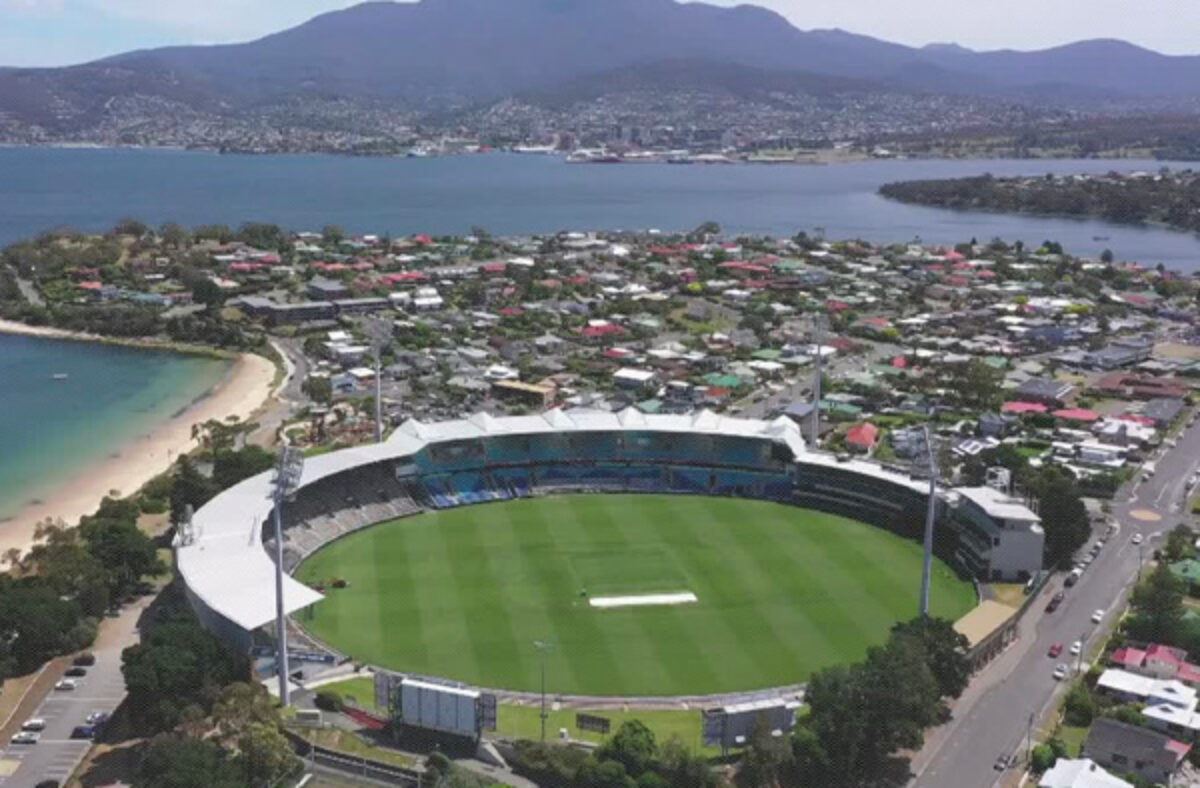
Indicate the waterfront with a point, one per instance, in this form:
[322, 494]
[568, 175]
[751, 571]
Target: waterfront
[513, 194]
[112, 418]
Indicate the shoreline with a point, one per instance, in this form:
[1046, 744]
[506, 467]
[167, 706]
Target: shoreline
[245, 389]
[16, 328]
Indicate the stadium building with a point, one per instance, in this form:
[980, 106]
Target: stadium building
[224, 556]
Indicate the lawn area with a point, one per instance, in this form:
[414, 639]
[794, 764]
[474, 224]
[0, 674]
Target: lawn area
[465, 593]
[361, 689]
[1074, 738]
[524, 722]
[353, 744]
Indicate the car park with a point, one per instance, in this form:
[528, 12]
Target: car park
[26, 737]
[1056, 649]
[1097, 616]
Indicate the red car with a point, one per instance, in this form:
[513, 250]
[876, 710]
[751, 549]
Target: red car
[1056, 649]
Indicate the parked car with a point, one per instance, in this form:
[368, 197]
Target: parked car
[1076, 647]
[98, 718]
[84, 732]
[75, 672]
[1060, 672]
[26, 737]
[34, 724]
[86, 659]
[1055, 601]
[1137, 538]
[65, 685]
[1097, 616]
[1056, 649]
[1003, 762]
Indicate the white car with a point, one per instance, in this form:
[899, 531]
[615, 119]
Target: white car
[26, 737]
[35, 724]
[1097, 616]
[1076, 647]
[66, 685]
[1060, 672]
[1137, 538]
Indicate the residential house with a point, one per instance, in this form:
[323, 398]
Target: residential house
[1047, 391]
[1129, 749]
[1079, 773]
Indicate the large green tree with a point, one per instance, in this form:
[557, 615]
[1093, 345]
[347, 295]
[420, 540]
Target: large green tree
[945, 650]
[1157, 603]
[173, 761]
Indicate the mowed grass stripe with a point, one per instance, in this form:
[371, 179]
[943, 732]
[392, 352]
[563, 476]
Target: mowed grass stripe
[490, 636]
[745, 587]
[783, 591]
[656, 639]
[582, 656]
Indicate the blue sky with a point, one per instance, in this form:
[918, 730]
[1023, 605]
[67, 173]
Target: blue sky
[56, 32]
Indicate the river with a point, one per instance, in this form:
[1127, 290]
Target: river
[511, 194]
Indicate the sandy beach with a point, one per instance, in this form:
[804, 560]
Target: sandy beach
[245, 388]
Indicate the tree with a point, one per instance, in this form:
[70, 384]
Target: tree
[332, 234]
[766, 759]
[602, 774]
[1042, 758]
[264, 753]
[319, 388]
[945, 652]
[682, 768]
[173, 761]
[207, 292]
[189, 489]
[174, 235]
[1106, 256]
[232, 467]
[1064, 516]
[1079, 707]
[1158, 606]
[1179, 544]
[633, 745]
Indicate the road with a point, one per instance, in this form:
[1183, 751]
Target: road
[1019, 683]
[57, 755]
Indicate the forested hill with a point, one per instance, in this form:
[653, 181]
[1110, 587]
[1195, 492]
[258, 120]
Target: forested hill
[1170, 198]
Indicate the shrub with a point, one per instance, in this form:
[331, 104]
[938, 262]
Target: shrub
[327, 700]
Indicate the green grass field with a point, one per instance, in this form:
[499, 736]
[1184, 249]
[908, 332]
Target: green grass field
[464, 593]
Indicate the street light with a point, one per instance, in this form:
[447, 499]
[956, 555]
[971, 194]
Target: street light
[285, 483]
[543, 647]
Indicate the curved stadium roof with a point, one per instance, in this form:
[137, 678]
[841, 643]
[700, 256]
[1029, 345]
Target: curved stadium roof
[226, 568]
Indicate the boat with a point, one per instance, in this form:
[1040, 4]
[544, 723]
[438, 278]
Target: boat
[60, 376]
[1100, 238]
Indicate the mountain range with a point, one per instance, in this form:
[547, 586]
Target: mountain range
[470, 51]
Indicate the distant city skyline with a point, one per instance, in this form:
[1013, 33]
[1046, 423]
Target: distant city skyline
[61, 32]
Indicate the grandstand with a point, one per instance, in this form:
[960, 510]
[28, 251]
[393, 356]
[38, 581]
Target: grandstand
[481, 459]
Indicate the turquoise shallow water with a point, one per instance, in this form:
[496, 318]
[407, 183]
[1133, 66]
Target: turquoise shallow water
[52, 430]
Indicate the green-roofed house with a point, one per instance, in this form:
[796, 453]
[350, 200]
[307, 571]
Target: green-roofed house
[767, 354]
[723, 381]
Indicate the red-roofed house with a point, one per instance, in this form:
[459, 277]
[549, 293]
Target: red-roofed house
[1128, 657]
[601, 331]
[1159, 661]
[1077, 414]
[1023, 407]
[862, 437]
[900, 362]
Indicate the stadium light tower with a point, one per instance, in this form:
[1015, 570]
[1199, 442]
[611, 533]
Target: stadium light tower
[543, 648]
[930, 511]
[819, 339]
[378, 330]
[287, 480]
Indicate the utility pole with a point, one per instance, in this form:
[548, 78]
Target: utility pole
[543, 647]
[930, 513]
[287, 480]
[1029, 740]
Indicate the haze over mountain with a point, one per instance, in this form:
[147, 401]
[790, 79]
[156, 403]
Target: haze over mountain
[478, 50]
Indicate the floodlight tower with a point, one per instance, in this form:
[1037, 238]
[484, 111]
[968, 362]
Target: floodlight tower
[930, 511]
[543, 648]
[378, 331]
[819, 340]
[287, 480]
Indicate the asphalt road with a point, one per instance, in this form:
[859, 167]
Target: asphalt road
[996, 723]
